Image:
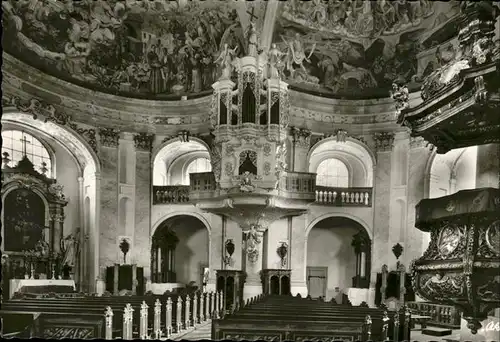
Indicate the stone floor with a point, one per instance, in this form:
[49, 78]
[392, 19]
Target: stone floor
[200, 332]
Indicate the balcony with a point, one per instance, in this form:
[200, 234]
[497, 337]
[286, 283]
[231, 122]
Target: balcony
[170, 194]
[295, 185]
[344, 197]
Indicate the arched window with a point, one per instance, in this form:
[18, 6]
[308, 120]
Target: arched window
[332, 172]
[198, 165]
[14, 143]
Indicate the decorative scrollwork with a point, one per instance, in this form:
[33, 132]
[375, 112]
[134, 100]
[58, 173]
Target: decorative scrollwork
[144, 141]
[109, 137]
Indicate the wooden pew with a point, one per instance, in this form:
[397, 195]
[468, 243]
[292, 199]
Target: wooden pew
[302, 320]
[198, 309]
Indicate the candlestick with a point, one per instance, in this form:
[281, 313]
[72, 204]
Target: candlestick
[53, 271]
[32, 271]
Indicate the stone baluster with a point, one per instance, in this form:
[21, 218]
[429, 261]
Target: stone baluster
[209, 305]
[143, 323]
[157, 320]
[221, 308]
[395, 335]
[178, 318]
[195, 309]
[215, 313]
[187, 312]
[202, 308]
[128, 317]
[385, 326]
[168, 317]
[108, 315]
[368, 328]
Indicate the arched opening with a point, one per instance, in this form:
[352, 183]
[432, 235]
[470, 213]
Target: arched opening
[196, 166]
[180, 252]
[332, 172]
[351, 159]
[17, 143]
[52, 144]
[344, 260]
[172, 161]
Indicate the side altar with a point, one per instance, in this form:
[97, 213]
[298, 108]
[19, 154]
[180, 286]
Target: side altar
[36, 257]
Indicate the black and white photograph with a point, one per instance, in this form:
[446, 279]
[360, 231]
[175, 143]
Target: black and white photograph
[247, 170]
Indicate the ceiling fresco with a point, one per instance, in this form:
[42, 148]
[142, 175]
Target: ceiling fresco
[356, 47]
[162, 49]
[141, 47]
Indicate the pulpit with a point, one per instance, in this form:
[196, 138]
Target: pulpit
[231, 283]
[275, 281]
[125, 277]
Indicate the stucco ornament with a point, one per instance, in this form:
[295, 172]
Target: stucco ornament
[252, 241]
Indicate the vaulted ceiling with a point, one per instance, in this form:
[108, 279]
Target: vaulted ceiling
[165, 49]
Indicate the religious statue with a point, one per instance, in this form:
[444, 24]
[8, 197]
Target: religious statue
[274, 61]
[225, 60]
[252, 240]
[297, 54]
[401, 96]
[246, 182]
[252, 40]
[70, 248]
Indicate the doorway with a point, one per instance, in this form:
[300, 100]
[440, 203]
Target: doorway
[316, 281]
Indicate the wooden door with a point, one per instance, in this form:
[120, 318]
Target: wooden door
[316, 281]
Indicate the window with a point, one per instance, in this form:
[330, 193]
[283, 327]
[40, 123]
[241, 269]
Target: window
[332, 172]
[198, 165]
[14, 142]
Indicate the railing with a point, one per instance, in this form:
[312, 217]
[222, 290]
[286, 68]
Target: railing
[444, 316]
[170, 194]
[298, 182]
[342, 197]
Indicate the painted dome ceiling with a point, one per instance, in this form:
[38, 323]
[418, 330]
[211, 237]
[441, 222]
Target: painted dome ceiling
[166, 49]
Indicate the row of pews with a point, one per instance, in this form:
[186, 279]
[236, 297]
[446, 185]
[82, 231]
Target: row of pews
[287, 318]
[127, 317]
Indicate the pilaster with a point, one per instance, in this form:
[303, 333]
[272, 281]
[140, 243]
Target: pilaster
[382, 201]
[298, 255]
[109, 198]
[301, 140]
[143, 146]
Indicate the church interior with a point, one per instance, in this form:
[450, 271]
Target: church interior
[251, 170]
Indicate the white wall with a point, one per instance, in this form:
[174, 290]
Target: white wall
[192, 250]
[331, 247]
[453, 171]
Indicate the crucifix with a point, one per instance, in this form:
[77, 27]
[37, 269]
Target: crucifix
[252, 15]
[24, 141]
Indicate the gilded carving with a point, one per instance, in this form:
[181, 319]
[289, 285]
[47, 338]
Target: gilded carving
[301, 137]
[228, 169]
[57, 190]
[383, 141]
[267, 150]
[109, 137]
[144, 141]
[89, 134]
[267, 168]
[493, 237]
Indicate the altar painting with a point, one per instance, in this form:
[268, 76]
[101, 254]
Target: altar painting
[24, 219]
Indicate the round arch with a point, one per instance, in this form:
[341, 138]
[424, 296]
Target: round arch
[89, 169]
[196, 215]
[344, 215]
[182, 213]
[72, 142]
[357, 150]
[156, 150]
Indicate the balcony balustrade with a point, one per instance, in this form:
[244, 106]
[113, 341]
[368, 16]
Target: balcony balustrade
[343, 197]
[297, 184]
[170, 194]
[291, 184]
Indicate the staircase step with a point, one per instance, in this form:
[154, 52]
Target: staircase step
[434, 331]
